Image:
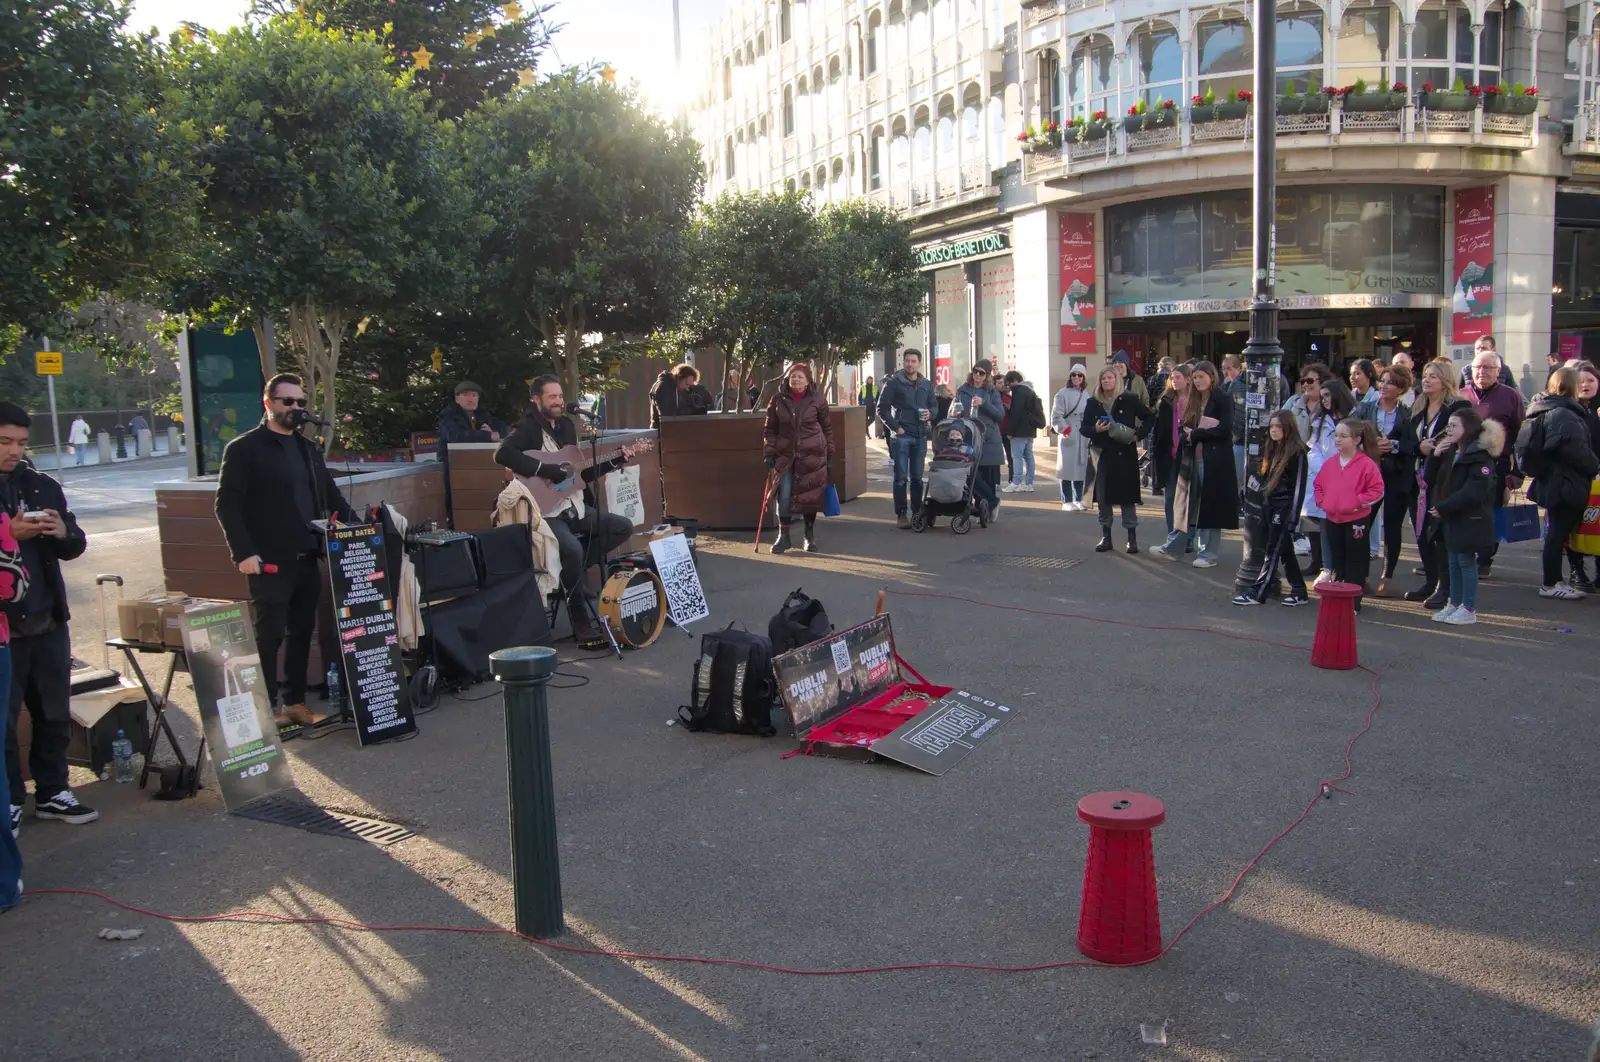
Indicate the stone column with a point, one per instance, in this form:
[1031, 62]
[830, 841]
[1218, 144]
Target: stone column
[1034, 256]
[1524, 265]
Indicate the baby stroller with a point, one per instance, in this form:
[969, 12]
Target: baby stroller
[957, 442]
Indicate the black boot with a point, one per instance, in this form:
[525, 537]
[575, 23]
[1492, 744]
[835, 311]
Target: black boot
[1133, 541]
[811, 533]
[781, 543]
[1104, 545]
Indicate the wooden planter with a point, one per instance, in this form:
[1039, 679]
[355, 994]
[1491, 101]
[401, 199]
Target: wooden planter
[1446, 101]
[711, 466]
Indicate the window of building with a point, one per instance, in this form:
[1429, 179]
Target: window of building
[785, 22]
[761, 43]
[1582, 72]
[1155, 65]
[1441, 46]
[875, 160]
[1367, 49]
[727, 159]
[788, 110]
[874, 27]
[899, 153]
[1093, 82]
[1300, 50]
[727, 79]
[922, 138]
[835, 72]
[945, 141]
[1050, 88]
[942, 19]
[972, 124]
[997, 127]
[1227, 56]
[919, 25]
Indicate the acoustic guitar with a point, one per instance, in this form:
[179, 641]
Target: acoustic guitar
[551, 496]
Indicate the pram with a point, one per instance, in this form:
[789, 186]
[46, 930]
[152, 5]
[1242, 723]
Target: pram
[948, 490]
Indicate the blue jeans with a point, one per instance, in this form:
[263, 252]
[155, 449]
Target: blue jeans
[1238, 464]
[1072, 490]
[80, 448]
[785, 492]
[1464, 581]
[1021, 451]
[10, 854]
[910, 455]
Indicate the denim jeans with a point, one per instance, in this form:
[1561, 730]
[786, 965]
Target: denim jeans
[1464, 581]
[1203, 540]
[1238, 465]
[785, 493]
[82, 448]
[910, 455]
[10, 855]
[1021, 452]
[1169, 484]
[1072, 490]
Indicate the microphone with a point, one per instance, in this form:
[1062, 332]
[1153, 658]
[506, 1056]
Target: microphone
[573, 407]
[305, 416]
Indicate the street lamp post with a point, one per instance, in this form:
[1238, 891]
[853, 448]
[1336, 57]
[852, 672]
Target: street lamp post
[1263, 354]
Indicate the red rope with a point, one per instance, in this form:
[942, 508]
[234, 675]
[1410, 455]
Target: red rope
[269, 918]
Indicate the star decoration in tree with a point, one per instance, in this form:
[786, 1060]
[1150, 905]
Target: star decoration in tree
[609, 73]
[422, 57]
[513, 10]
[488, 31]
[525, 77]
[472, 39]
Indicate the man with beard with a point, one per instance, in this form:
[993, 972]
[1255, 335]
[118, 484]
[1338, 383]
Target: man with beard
[273, 484]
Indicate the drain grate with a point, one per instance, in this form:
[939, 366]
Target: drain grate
[313, 819]
[1011, 560]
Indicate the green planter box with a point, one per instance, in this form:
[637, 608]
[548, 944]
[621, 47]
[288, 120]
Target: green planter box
[1375, 101]
[1511, 104]
[1317, 104]
[1291, 104]
[1134, 123]
[1229, 111]
[1448, 101]
[1090, 131]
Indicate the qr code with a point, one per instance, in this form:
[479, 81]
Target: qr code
[684, 595]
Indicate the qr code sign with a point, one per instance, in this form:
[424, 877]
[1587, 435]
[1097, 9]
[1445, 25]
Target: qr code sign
[686, 601]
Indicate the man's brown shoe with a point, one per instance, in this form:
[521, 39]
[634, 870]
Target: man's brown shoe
[300, 715]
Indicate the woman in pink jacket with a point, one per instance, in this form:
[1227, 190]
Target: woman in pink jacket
[1347, 488]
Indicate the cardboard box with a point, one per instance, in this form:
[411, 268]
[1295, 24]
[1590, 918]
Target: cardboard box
[144, 620]
[851, 695]
[172, 618]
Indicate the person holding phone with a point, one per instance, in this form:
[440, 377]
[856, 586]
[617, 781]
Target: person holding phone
[1206, 498]
[980, 400]
[1112, 418]
[273, 484]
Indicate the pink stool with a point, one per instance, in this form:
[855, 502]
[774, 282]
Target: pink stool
[1334, 647]
[1119, 921]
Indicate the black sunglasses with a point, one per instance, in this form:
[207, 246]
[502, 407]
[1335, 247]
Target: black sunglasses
[290, 401]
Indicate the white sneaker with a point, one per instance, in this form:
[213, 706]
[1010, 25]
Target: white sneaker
[1011, 488]
[1461, 617]
[1028, 489]
[1561, 592]
[1204, 562]
[1069, 507]
[1324, 576]
[1302, 546]
[1444, 614]
[16, 820]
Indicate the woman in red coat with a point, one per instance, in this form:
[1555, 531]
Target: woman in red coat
[799, 448]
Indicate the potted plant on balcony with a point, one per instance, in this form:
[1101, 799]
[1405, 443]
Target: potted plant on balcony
[1096, 128]
[1046, 137]
[1520, 99]
[1462, 97]
[1358, 97]
[1237, 105]
[1140, 116]
[1290, 101]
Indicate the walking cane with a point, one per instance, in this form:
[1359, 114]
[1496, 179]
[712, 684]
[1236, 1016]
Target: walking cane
[766, 498]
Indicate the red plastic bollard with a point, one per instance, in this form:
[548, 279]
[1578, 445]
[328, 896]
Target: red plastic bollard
[1119, 921]
[1334, 647]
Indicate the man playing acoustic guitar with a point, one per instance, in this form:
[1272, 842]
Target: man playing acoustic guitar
[546, 428]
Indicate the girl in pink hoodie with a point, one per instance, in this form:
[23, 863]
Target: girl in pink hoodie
[1346, 489]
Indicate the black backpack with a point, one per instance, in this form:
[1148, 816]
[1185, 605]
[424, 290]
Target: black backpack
[733, 688]
[1531, 456]
[801, 620]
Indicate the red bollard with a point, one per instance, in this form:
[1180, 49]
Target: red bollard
[1119, 921]
[1334, 647]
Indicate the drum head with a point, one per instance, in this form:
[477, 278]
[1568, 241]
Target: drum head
[635, 606]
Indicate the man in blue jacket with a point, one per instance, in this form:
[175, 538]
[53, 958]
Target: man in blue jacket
[906, 405]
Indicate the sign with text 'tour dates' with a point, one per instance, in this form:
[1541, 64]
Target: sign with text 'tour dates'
[369, 637]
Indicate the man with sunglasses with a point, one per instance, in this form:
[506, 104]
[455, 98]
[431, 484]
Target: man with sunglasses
[273, 485]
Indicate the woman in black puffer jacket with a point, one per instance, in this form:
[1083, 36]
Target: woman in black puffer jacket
[1554, 446]
[1589, 399]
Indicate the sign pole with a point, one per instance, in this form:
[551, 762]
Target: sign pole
[1263, 354]
[55, 425]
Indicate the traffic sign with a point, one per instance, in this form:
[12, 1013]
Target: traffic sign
[47, 363]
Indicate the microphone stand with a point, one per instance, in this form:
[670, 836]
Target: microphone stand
[599, 511]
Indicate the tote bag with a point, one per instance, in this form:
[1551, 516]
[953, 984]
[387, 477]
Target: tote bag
[830, 500]
[1585, 538]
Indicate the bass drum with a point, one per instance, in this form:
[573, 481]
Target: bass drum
[634, 606]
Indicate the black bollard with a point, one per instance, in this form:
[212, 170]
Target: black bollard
[535, 862]
[122, 441]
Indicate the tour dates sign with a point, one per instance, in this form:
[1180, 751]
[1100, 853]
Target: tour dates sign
[369, 643]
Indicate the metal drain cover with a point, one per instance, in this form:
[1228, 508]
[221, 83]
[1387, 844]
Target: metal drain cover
[1011, 560]
[313, 819]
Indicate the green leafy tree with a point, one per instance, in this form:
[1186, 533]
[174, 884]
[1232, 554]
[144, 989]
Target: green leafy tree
[589, 197]
[753, 269]
[475, 49]
[94, 190]
[870, 286]
[331, 194]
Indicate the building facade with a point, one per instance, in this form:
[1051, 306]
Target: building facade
[1078, 174]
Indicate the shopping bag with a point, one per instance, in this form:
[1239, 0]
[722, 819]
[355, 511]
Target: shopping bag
[1517, 523]
[1585, 538]
[830, 500]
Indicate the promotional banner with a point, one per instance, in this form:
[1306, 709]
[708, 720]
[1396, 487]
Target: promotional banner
[1078, 320]
[369, 643]
[941, 365]
[1472, 293]
[241, 738]
[819, 681]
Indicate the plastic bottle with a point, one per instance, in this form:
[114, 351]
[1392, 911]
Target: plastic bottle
[122, 754]
[335, 688]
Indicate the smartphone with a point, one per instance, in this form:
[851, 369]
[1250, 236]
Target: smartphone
[1105, 420]
[35, 514]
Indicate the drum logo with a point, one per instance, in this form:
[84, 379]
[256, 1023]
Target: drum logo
[637, 599]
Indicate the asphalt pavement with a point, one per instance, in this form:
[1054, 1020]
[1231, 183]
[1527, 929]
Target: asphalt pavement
[1443, 908]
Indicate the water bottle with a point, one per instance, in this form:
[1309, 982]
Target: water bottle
[335, 688]
[122, 754]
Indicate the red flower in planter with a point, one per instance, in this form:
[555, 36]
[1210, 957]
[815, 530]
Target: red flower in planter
[1098, 116]
[1530, 92]
[1398, 86]
[1197, 99]
[1052, 127]
[1243, 96]
[1475, 90]
[1133, 112]
[1493, 90]
[1022, 137]
[1427, 86]
[1168, 105]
